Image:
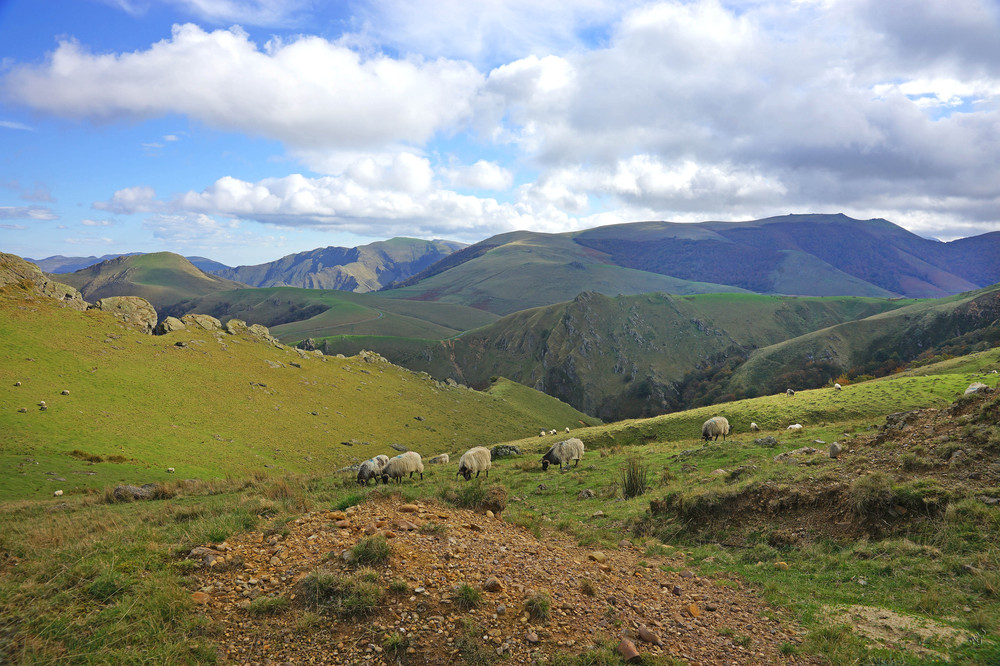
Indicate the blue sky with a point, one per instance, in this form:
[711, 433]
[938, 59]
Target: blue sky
[245, 130]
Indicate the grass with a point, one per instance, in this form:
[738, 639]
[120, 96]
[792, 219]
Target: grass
[371, 550]
[468, 597]
[539, 606]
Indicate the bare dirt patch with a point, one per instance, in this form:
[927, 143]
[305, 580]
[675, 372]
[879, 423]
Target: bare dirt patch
[901, 632]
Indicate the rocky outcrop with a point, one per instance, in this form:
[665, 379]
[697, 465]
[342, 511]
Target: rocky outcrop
[29, 278]
[202, 321]
[169, 325]
[131, 310]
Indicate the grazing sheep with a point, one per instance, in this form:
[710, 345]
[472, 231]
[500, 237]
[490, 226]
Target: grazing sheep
[795, 426]
[57, 493]
[541, 434]
[755, 427]
[567, 428]
[476, 459]
[552, 432]
[836, 387]
[441, 459]
[401, 465]
[562, 453]
[715, 426]
[372, 469]
[789, 392]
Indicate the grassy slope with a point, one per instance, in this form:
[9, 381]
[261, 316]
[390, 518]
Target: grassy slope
[908, 329]
[161, 278]
[590, 352]
[215, 407]
[294, 314]
[539, 270]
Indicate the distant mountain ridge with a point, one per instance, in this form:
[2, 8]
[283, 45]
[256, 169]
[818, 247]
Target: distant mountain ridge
[359, 269]
[60, 264]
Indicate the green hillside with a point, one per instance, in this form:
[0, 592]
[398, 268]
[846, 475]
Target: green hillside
[294, 314]
[876, 345]
[212, 404]
[532, 270]
[620, 357]
[162, 278]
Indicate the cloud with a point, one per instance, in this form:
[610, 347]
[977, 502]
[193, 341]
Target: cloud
[14, 125]
[41, 213]
[246, 12]
[13, 227]
[482, 175]
[97, 223]
[138, 199]
[306, 92]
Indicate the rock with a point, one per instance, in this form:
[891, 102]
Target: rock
[236, 326]
[693, 610]
[493, 584]
[169, 325]
[597, 514]
[441, 459]
[790, 455]
[586, 494]
[531, 637]
[32, 281]
[409, 508]
[504, 451]
[977, 387]
[769, 442]
[131, 310]
[628, 652]
[645, 634]
[202, 321]
[200, 598]
[598, 556]
[836, 449]
[501, 609]
[676, 590]
[127, 493]
[399, 447]
[22, 410]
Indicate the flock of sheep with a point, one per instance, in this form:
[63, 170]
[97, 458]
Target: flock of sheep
[474, 461]
[478, 459]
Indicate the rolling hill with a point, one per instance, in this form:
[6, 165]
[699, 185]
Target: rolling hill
[625, 356]
[360, 269]
[811, 255]
[162, 278]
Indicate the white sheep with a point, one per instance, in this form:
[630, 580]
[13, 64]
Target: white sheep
[57, 493]
[795, 426]
[567, 428]
[715, 426]
[562, 453]
[755, 427]
[552, 432]
[541, 434]
[837, 387]
[401, 465]
[372, 469]
[476, 459]
[789, 392]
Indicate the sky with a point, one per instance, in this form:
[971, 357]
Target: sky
[247, 130]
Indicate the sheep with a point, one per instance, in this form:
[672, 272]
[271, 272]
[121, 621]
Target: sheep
[372, 469]
[476, 459]
[567, 428]
[552, 432]
[541, 434]
[715, 426]
[755, 427]
[562, 453]
[795, 426]
[404, 463]
[836, 387]
[789, 392]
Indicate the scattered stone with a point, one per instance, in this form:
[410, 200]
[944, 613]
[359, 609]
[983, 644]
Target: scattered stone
[439, 460]
[399, 447]
[835, 450]
[597, 514]
[977, 387]
[134, 311]
[586, 494]
[169, 325]
[645, 634]
[676, 590]
[493, 584]
[693, 610]
[789, 456]
[628, 652]
[768, 442]
[409, 508]
[200, 598]
[504, 451]
[532, 637]
[598, 556]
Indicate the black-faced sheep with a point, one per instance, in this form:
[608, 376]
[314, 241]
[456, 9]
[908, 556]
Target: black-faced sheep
[372, 469]
[836, 387]
[401, 465]
[476, 459]
[755, 427]
[552, 432]
[789, 392]
[563, 452]
[715, 426]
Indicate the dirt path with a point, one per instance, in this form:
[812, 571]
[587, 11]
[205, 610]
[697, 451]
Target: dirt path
[437, 548]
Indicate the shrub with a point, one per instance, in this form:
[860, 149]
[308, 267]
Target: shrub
[268, 605]
[539, 606]
[363, 598]
[587, 587]
[371, 550]
[395, 643]
[633, 477]
[398, 586]
[467, 596]
[870, 495]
